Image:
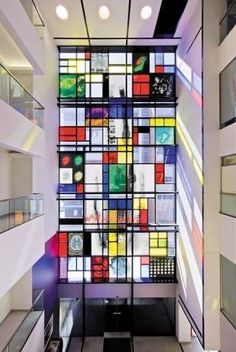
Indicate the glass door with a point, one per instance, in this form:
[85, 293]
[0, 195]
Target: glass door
[117, 315]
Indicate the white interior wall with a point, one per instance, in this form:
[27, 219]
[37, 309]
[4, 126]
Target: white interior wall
[5, 174]
[20, 249]
[212, 9]
[228, 180]
[21, 292]
[45, 171]
[5, 305]
[21, 175]
[189, 168]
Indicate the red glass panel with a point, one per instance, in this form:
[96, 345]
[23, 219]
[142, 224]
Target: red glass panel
[160, 177]
[144, 89]
[80, 188]
[62, 249]
[67, 133]
[141, 78]
[159, 69]
[81, 134]
[136, 89]
[144, 260]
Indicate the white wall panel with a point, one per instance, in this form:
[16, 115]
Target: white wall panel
[20, 248]
[228, 237]
[18, 133]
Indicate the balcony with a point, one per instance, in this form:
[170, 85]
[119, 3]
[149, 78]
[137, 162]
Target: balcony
[19, 338]
[15, 95]
[228, 21]
[228, 204]
[17, 211]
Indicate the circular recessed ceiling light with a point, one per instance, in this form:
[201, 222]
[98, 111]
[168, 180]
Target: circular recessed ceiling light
[62, 12]
[104, 12]
[146, 12]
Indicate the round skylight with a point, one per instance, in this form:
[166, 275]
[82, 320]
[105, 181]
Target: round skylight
[146, 12]
[62, 12]
[104, 12]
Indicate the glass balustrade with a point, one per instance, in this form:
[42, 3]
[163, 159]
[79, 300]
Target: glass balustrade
[228, 21]
[17, 211]
[14, 94]
[21, 335]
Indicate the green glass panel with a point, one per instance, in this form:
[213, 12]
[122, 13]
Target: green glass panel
[68, 86]
[81, 87]
[117, 178]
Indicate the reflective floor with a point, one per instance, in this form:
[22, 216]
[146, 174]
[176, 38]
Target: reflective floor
[141, 344]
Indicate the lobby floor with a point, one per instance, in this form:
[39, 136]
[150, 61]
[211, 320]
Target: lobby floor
[142, 344]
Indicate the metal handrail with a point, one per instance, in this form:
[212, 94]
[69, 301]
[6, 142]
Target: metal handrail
[6, 348]
[26, 90]
[30, 195]
[18, 211]
[228, 10]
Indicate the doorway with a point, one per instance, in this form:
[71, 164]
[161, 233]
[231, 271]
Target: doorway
[117, 315]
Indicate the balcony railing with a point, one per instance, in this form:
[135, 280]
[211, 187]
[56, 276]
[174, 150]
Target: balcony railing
[228, 21]
[21, 335]
[14, 94]
[17, 211]
[228, 204]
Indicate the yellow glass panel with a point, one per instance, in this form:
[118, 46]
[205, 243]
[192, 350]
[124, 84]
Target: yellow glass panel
[136, 203]
[153, 251]
[163, 243]
[143, 203]
[152, 122]
[87, 78]
[170, 122]
[117, 69]
[81, 66]
[122, 141]
[112, 248]
[153, 235]
[130, 141]
[72, 63]
[129, 158]
[122, 158]
[121, 149]
[162, 235]
[112, 216]
[153, 243]
[121, 245]
[161, 252]
[112, 236]
[72, 69]
[129, 69]
[159, 122]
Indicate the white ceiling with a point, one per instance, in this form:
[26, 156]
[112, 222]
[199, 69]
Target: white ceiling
[114, 27]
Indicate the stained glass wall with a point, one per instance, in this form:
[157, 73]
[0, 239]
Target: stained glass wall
[117, 157]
